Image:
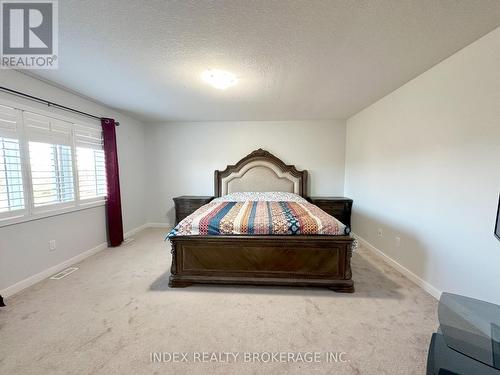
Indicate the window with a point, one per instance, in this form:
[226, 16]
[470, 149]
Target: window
[91, 173]
[51, 173]
[47, 164]
[90, 162]
[11, 179]
[51, 160]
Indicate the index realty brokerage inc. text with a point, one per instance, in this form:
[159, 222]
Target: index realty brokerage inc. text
[248, 357]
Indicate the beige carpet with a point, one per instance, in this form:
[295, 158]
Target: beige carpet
[108, 317]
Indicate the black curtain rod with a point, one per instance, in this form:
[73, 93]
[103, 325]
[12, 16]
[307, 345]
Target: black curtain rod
[50, 104]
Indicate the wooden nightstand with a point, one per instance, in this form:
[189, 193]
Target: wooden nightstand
[187, 204]
[338, 207]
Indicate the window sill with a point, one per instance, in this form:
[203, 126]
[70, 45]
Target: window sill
[51, 211]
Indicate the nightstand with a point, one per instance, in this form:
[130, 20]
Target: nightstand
[338, 207]
[187, 204]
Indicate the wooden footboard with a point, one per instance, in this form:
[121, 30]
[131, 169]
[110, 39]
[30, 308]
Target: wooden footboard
[263, 260]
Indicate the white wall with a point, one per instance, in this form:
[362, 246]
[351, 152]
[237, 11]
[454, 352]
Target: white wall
[183, 156]
[423, 163]
[24, 247]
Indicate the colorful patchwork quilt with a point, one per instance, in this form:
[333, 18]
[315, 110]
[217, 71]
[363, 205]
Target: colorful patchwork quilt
[259, 218]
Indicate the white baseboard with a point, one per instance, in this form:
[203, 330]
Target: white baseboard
[160, 225]
[131, 232]
[432, 290]
[32, 280]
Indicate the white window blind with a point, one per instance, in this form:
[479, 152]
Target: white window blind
[51, 173]
[90, 162]
[91, 173]
[48, 165]
[11, 179]
[51, 159]
[45, 129]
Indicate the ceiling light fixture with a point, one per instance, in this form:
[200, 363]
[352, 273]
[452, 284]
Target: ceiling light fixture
[220, 79]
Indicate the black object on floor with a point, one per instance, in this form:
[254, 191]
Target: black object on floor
[1, 302]
[468, 338]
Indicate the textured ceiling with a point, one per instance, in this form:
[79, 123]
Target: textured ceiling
[294, 59]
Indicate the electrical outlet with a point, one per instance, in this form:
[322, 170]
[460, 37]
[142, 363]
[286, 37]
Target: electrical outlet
[380, 232]
[398, 241]
[52, 245]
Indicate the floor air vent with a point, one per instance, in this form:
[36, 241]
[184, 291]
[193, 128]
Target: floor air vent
[66, 272]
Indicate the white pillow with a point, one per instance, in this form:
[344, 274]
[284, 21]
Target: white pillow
[273, 196]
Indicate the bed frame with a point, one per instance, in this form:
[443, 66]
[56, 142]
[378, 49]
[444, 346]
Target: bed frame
[320, 260]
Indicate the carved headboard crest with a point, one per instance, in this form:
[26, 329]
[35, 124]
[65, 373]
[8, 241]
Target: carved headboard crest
[260, 171]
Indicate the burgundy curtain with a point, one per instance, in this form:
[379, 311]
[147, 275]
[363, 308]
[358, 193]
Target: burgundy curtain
[113, 204]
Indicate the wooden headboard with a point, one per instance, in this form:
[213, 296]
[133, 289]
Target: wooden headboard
[260, 171]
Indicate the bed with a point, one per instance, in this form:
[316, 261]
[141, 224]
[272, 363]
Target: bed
[208, 248]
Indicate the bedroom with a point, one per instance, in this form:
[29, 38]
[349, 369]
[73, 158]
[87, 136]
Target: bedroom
[380, 120]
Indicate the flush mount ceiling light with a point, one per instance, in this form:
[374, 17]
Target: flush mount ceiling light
[220, 79]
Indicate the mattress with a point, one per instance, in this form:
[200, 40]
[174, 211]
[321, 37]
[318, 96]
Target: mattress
[259, 214]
